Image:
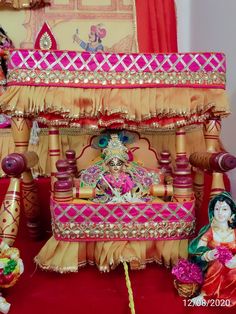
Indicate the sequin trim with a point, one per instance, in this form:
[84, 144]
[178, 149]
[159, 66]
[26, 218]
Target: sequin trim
[107, 231]
[86, 79]
[74, 222]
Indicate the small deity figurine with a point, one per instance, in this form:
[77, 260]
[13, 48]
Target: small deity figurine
[116, 179]
[214, 250]
[94, 44]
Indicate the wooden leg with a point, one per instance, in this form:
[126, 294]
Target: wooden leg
[10, 212]
[180, 143]
[182, 183]
[21, 134]
[198, 187]
[217, 185]
[54, 152]
[212, 131]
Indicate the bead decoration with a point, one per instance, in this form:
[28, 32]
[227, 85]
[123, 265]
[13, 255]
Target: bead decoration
[114, 79]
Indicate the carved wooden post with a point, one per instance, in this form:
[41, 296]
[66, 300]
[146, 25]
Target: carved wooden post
[198, 188]
[63, 187]
[165, 167]
[10, 212]
[54, 152]
[212, 132]
[13, 165]
[70, 156]
[164, 163]
[180, 143]
[21, 134]
[182, 183]
[212, 129]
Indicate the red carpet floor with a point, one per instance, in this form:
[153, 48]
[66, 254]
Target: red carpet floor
[89, 291]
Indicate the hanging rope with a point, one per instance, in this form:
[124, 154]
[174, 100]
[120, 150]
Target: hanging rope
[130, 291]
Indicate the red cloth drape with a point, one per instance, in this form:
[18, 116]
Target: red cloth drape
[156, 25]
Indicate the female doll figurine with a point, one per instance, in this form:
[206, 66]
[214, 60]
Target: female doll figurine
[215, 250]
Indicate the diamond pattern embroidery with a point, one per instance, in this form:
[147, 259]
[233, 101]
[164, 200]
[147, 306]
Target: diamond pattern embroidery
[105, 62]
[118, 213]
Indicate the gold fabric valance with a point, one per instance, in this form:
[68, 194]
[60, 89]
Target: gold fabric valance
[146, 108]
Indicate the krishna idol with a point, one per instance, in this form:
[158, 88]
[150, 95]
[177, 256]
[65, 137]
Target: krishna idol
[117, 179]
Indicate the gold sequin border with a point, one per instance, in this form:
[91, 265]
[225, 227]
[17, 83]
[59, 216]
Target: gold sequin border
[131, 231]
[115, 79]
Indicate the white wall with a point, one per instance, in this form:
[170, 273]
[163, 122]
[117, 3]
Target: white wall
[210, 25]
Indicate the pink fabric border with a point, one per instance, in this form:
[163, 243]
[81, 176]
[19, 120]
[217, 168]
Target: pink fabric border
[70, 219]
[118, 62]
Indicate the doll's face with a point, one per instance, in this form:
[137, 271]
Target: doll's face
[115, 165]
[222, 211]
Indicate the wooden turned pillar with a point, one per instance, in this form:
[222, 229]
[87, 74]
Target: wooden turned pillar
[182, 183]
[180, 142]
[198, 188]
[165, 166]
[63, 187]
[72, 164]
[13, 165]
[165, 162]
[54, 152]
[21, 134]
[10, 212]
[212, 129]
[217, 185]
[211, 134]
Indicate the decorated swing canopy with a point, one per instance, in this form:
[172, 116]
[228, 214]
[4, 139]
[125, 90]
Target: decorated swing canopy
[99, 90]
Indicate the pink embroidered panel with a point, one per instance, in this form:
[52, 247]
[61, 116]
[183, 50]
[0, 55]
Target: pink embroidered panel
[139, 221]
[105, 70]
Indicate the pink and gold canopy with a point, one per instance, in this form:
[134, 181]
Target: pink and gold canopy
[137, 91]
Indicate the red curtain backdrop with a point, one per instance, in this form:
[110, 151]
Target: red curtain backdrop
[156, 25]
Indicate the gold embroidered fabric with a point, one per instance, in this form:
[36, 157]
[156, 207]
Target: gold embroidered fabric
[65, 257]
[189, 105]
[74, 231]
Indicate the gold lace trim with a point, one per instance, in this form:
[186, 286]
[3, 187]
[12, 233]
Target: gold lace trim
[108, 231]
[112, 79]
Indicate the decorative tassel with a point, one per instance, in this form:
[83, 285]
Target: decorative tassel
[130, 291]
[34, 134]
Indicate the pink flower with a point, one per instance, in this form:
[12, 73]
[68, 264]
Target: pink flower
[187, 272]
[224, 254]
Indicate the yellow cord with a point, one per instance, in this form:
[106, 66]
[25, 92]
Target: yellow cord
[128, 285]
